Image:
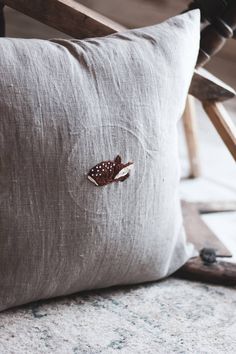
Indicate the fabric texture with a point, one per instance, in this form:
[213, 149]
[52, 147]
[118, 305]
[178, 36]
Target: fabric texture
[66, 106]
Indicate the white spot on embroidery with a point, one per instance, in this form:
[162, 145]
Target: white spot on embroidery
[124, 171]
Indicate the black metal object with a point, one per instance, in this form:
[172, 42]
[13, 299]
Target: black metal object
[2, 20]
[208, 255]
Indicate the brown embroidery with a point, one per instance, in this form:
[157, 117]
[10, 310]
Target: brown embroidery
[109, 171]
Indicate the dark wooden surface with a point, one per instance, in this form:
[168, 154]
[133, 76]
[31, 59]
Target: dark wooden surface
[201, 236]
[207, 87]
[223, 273]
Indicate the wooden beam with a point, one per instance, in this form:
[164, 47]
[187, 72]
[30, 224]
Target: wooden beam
[199, 233]
[223, 124]
[223, 273]
[207, 87]
[67, 16]
[220, 272]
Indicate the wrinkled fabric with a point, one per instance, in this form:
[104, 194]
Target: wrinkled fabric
[65, 106]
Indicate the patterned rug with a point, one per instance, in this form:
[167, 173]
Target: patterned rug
[172, 316]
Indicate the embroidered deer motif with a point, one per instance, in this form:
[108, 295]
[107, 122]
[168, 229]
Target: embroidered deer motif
[109, 171]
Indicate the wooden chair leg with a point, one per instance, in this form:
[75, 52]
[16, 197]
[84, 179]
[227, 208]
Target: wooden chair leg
[223, 124]
[190, 129]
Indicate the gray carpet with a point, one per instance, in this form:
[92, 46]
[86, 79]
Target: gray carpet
[172, 316]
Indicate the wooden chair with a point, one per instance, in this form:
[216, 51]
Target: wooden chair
[221, 18]
[84, 22]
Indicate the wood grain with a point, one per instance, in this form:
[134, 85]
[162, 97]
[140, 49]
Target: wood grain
[223, 273]
[201, 236]
[207, 87]
[67, 16]
[223, 124]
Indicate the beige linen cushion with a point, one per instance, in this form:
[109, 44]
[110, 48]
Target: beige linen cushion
[66, 106]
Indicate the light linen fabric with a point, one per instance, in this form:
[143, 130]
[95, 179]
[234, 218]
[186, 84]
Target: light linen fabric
[65, 106]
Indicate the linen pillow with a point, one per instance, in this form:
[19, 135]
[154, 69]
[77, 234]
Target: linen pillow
[89, 162]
